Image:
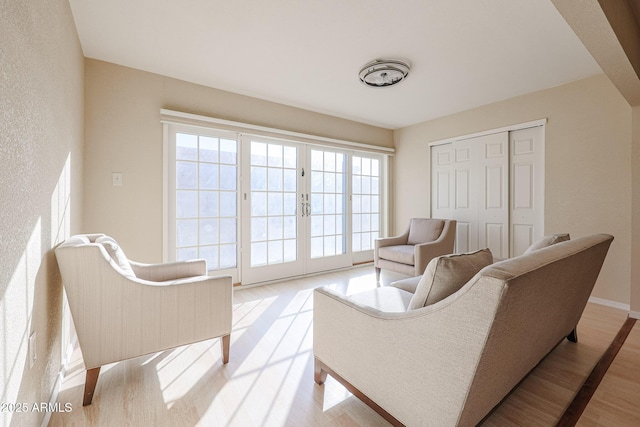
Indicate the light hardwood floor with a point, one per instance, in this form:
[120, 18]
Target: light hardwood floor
[269, 378]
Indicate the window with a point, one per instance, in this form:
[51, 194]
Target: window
[365, 202]
[205, 202]
[265, 207]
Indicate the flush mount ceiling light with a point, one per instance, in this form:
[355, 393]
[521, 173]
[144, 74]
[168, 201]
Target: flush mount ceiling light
[384, 72]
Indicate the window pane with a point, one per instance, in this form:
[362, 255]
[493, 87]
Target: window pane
[186, 146]
[316, 247]
[258, 229]
[186, 175]
[185, 254]
[227, 230]
[275, 253]
[208, 176]
[290, 183]
[329, 182]
[275, 155]
[316, 160]
[329, 162]
[228, 177]
[289, 204]
[290, 157]
[317, 182]
[186, 204]
[228, 256]
[228, 203]
[258, 204]
[209, 203]
[186, 232]
[317, 204]
[316, 225]
[209, 231]
[209, 149]
[258, 254]
[290, 251]
[275, 204]
[210, 254]
[258, 153]
[258, 178]
[290, 223]
[274, 182]
[228, 151]
[275, 228]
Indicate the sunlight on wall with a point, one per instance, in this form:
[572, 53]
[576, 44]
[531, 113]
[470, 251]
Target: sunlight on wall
[17, 309]
[17, 304]
[60, 231]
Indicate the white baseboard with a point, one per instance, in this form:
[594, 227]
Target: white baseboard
[609, 303]
[634, 314]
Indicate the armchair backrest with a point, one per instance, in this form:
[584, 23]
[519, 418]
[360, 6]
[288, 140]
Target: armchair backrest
[423, 230]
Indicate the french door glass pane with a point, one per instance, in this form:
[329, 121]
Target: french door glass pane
[273, 203]
[328, 194]
[365, 202]
[206, 199]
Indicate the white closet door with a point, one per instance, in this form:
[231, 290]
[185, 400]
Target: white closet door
[465, 194]
[493, 193]
[442, 181]
[527, 188]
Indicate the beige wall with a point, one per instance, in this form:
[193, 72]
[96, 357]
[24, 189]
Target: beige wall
[124, 134]
[41, 131]
[587, 165]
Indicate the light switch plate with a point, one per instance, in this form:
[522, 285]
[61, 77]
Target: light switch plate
[116, 178]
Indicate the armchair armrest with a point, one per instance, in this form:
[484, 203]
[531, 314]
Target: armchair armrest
[443, 245]
[169, 271]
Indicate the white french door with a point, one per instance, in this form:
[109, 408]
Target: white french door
[294, 209]
[262, 209]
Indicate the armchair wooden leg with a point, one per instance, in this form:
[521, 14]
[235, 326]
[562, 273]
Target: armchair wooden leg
[90, 385]
[225, 342]
[319, 374]
[377, 274]
[573, 335]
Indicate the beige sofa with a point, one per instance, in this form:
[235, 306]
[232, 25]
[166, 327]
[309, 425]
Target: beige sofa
[450, 363]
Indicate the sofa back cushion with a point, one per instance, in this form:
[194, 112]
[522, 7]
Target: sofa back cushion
[424, 230]
[117, 254]
[547, 241]
[446, 274]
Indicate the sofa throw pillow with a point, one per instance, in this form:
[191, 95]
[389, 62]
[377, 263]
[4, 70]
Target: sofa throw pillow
[547, 241]
[116, 254]
[446, 274]
[424, 230]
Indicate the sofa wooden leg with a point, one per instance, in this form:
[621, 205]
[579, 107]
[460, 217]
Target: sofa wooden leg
[573, 335]
[377, 274]
[90, 385]
[225, 342]
[319, 374]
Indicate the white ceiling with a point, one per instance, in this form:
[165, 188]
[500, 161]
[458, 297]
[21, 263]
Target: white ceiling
[307, 53]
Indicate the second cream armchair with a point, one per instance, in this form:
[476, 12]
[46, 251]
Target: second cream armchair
[410, 252]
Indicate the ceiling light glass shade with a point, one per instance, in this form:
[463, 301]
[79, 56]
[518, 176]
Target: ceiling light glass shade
[384, 72]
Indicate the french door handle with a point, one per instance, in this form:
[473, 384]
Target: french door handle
[308, 211]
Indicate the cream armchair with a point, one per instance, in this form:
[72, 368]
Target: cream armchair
[123, 309]
[410, 252]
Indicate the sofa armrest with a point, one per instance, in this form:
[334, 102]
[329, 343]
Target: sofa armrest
[169, 271]
[417, 365]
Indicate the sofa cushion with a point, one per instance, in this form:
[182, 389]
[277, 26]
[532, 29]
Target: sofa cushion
[401, 253]
[424, 230]
[446, 274]
[116, 254]
[547, 241]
